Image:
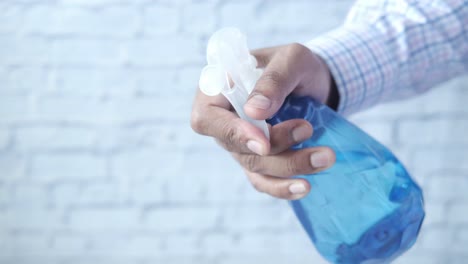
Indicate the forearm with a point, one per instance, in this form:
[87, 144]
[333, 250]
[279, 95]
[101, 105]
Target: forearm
[395, 50]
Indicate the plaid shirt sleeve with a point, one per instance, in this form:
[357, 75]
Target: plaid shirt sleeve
[394, 49]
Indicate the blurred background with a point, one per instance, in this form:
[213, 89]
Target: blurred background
[98, 163]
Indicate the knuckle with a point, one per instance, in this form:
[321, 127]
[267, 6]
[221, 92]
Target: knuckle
[273, 78]
[294, 165]
[230, 138]
[296, 48]
[252, 163]
[196, 122]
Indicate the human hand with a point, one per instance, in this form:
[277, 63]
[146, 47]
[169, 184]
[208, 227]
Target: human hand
[270, 165]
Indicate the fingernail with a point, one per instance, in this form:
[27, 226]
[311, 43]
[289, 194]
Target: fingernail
[319, 159]
[255, 146]
[300, 133]
[297, 188]
[259, 101]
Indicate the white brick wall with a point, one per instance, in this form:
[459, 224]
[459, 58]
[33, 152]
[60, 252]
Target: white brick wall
[98, 163]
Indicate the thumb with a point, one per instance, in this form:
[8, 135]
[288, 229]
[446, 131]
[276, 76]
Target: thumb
[274, 85]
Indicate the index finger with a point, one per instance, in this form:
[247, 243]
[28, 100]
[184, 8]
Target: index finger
[211, 117]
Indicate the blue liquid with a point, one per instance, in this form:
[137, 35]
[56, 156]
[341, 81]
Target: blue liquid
[366, 208]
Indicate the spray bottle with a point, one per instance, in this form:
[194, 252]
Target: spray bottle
[365, 208]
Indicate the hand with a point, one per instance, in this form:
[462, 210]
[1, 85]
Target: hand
[270, 165]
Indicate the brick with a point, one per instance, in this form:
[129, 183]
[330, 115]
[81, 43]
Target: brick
[461, 243]
[183, 244]
[392, 111]
[448, 187]
[230, 186]
[27, 244]
[111, 21]
[296, 17]
[421, 256]
[92, 82]
[199, 18]
[24, 50]
[162, 84]
[438, 101]
[275, 245]
[220, 181]
[187, 80]
[115, 111]
[165, 51]
[165, 136]
[438, 161]
[96, 3]
[63, 167]
[85, 52]
[173, 219]
[109, 243]
[32, 218]
[188, 259]
[160, 20]
[13, 167]
[75, 110]
[458, 213]
[145, 165]
[217, 243]
[274, 258]
[258, 40]
[437, 131]
[193, 141]
[148, 245]
[16, 109]
[176, 3]
[250, 195]
[109, 218]
[41, 19]
[5, 138]
[381, 131]
[116, 138]
[20, 81]
[11, 17]
[230, 12]
[4, 236]
[5, 195]
[29, 196]
[69, 243]
[436, 238]
[64, 194]
[257, 218]
[463, 235]
[150, 192]
[53, 138]
[22, 259]
[435, 213]
[105, 194]
[448, 99]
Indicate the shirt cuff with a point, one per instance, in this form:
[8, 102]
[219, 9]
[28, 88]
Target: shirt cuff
[360, 64]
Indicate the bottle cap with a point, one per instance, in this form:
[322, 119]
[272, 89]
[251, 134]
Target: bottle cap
[231, 71]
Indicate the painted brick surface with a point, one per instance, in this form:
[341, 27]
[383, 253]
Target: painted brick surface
[98, 163]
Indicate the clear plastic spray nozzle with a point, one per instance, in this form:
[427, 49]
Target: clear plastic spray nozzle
[231, 71]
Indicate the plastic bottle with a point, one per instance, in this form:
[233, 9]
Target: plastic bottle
[365, 208]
